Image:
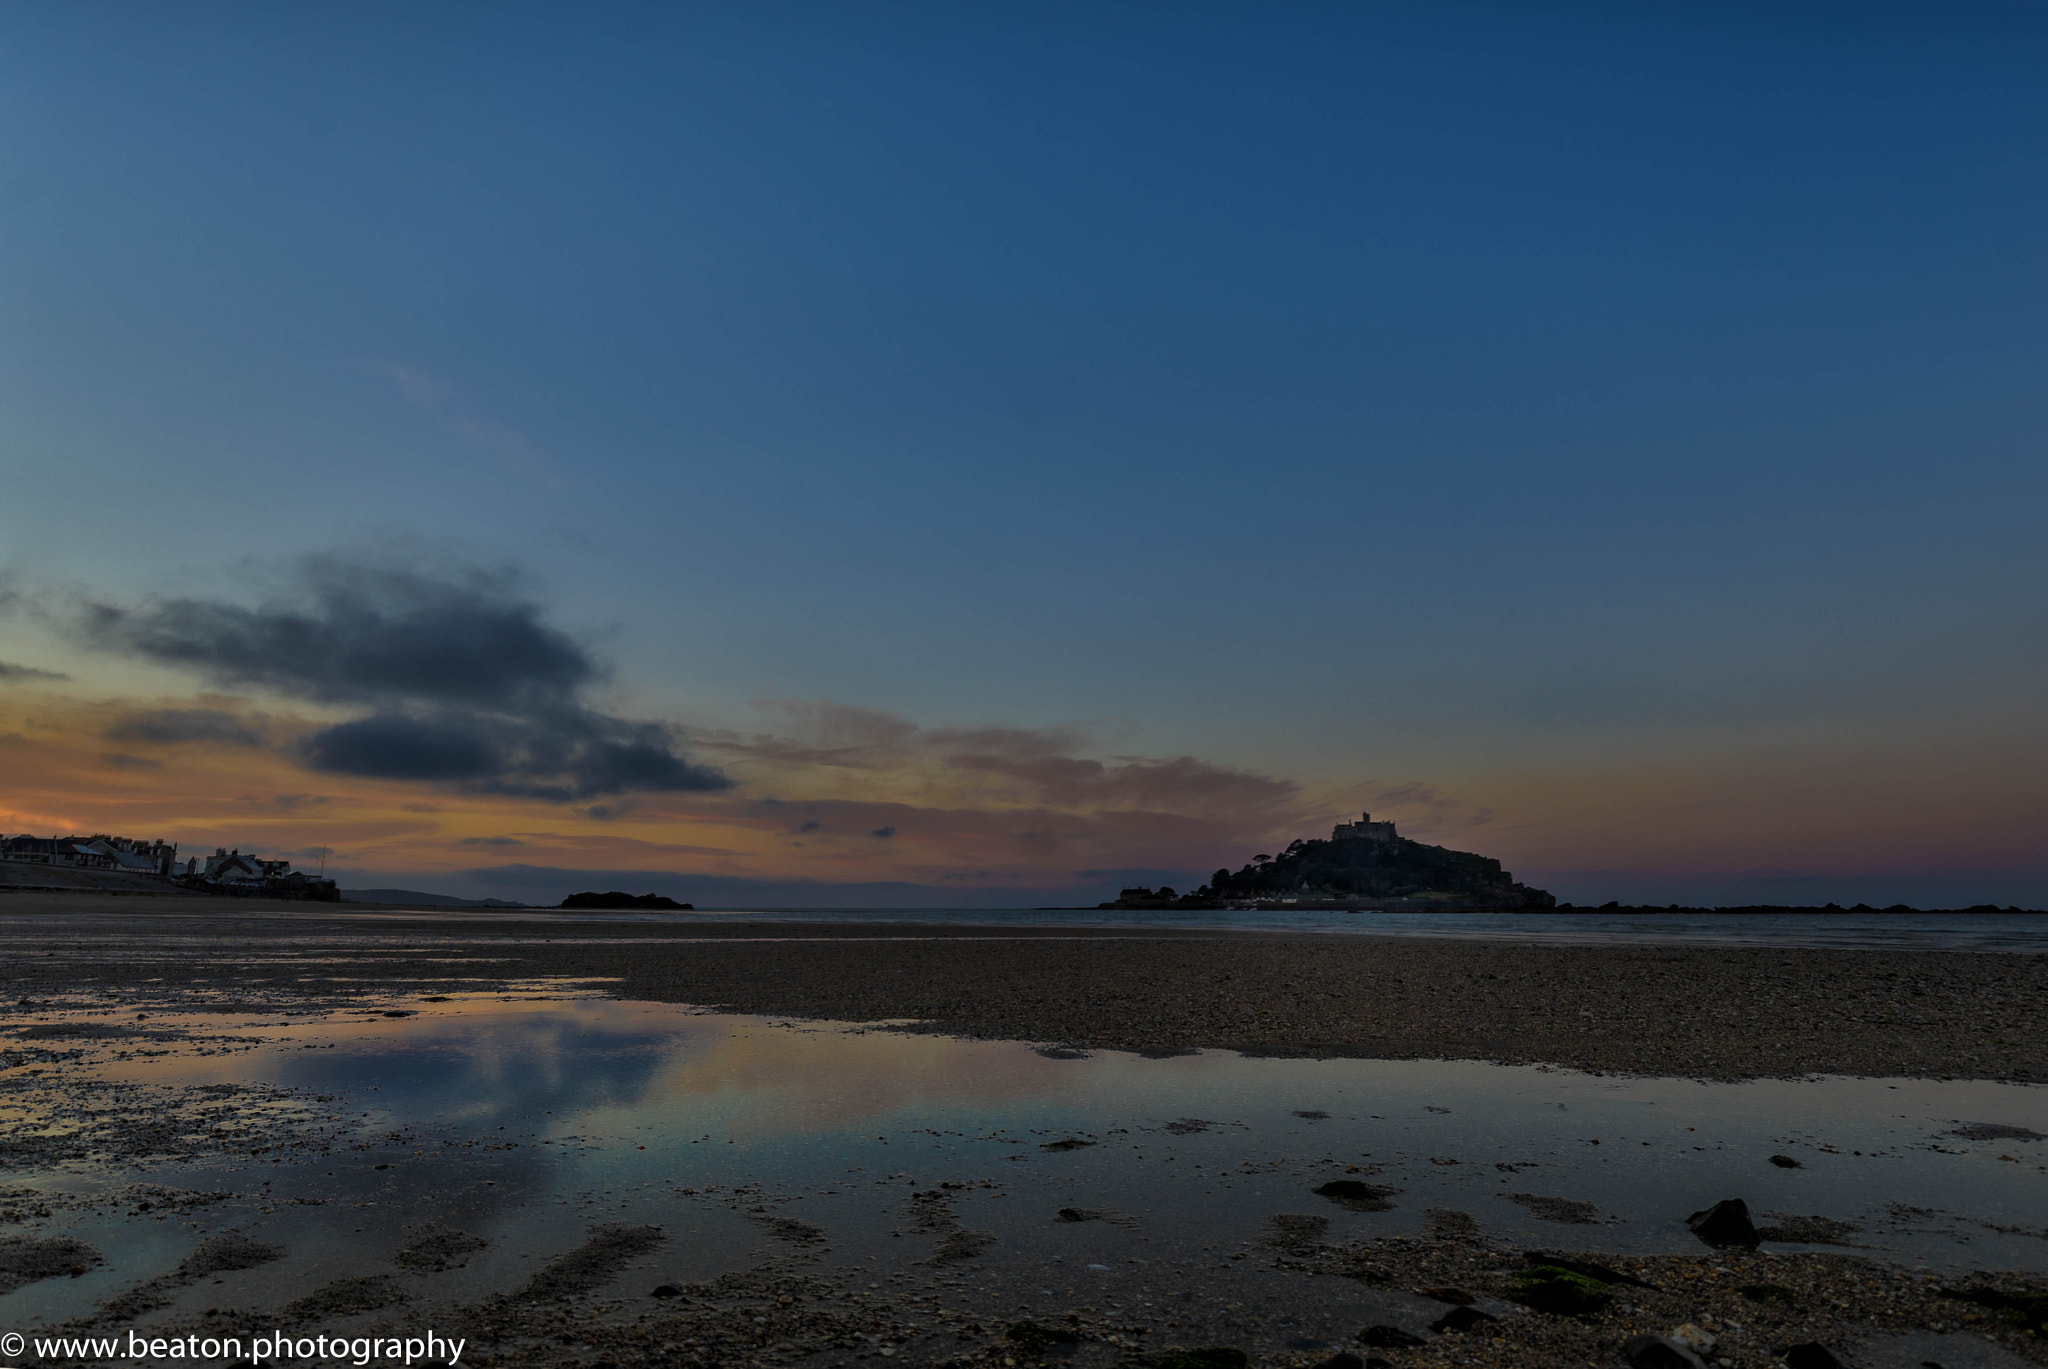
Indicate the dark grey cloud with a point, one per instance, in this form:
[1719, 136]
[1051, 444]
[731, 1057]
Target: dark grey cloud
[884, 832]
[125, 762]
[464, 682]
[397, 746]
[492, 841]
[560, 756]
[168, 726]
[356, 631]
[26, 674]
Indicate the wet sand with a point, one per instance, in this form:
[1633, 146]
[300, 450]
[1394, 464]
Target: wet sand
[942, 1300]
[1718, 1013]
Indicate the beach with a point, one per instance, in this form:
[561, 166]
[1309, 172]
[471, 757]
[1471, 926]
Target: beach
[1720, 1012]
[580, 1141]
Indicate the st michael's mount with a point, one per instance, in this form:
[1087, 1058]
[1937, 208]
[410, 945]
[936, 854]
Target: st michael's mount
[1365, 866]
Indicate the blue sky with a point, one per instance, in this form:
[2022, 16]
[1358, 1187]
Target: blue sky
[1625, 424]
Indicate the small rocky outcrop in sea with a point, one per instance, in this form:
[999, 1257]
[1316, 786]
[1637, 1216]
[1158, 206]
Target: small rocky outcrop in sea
[616, 899]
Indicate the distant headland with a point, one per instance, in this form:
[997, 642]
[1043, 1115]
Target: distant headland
[1365, 866]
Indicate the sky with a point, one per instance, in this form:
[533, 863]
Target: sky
[975, 455]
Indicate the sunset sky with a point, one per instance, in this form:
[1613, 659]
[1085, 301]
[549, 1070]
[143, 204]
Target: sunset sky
[987, 455]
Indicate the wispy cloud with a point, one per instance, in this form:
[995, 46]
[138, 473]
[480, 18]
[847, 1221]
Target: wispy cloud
[997, 764]
[28, 674]
[516, 452]
[173, 726]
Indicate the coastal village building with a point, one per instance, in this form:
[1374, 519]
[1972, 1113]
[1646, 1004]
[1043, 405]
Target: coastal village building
[99, 852]
[222, 871]
[232, 867]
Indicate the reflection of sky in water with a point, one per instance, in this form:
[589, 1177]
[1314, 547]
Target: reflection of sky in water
[529, 1120]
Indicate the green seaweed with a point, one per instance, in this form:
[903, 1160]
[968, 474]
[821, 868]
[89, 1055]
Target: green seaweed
[2030, 1306]
[1033, 1337]
[1559, 1292]
[1215, 1357]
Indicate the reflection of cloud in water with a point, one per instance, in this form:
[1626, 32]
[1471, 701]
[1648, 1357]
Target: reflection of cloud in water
[486, 1062]
[755, 1081]
[531, 1060]
[605, 1060]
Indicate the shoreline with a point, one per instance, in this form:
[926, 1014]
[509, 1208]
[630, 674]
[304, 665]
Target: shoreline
[1713, 1012]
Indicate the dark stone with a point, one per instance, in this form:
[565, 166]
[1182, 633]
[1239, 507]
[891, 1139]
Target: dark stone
[1725, 1223]
[1810, 1355]
[1461, 1319]
[1451, 1295]
[1784, 1162]
[1343, 1359]
[1996, 1131]
[1359, 1197]
[1389, 1338]
[1658, 1352]
[1553, 1209]
[667, 1290]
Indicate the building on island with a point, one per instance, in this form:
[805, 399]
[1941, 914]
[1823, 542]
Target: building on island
[1365, 829]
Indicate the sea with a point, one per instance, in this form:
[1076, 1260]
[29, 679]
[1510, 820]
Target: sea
[1959, 931]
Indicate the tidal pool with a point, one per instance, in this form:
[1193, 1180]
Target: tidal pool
[524, 1119]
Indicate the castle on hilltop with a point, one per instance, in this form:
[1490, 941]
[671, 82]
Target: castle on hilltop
[1365, 866]
[1365, 829]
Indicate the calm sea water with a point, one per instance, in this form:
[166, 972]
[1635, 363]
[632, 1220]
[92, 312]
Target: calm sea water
[1926, 931]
